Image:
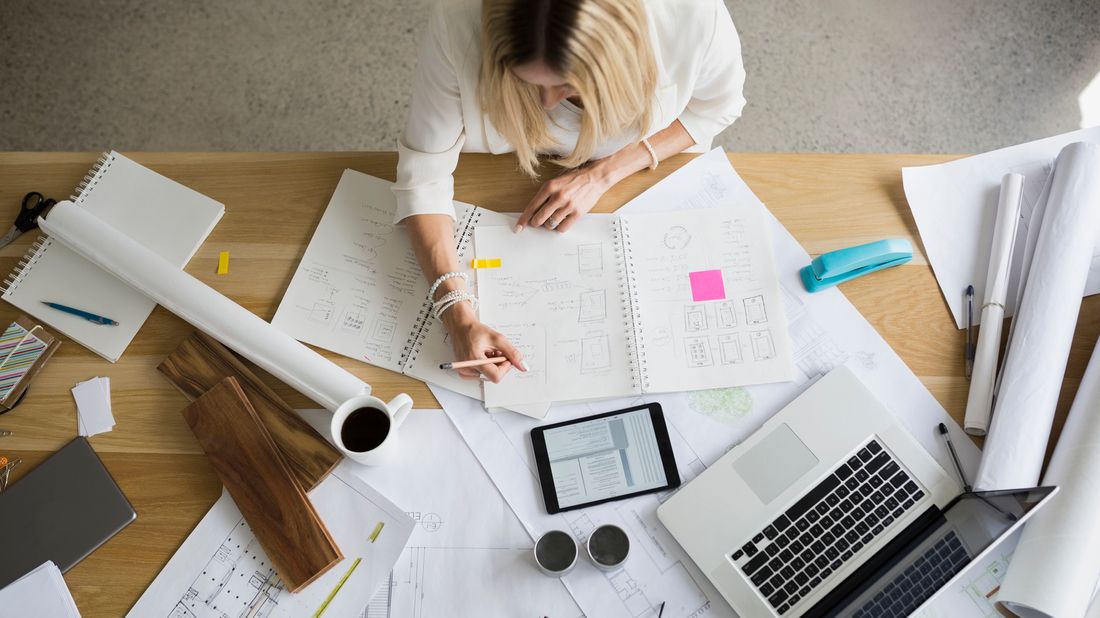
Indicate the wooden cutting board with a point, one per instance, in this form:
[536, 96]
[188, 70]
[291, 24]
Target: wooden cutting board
[267, 493]
[201, 362]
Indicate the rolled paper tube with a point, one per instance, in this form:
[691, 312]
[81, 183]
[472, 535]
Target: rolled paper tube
[979, 403]
[1057, 560]
[1039, 345]
[200, 305]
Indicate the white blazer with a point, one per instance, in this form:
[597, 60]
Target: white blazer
[700, 82]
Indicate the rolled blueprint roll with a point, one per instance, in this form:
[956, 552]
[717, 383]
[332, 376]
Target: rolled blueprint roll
[1057, 560]
[303, 369]
[979, 403]
[1045, 320]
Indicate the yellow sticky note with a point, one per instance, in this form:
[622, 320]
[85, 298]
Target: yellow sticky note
[223, 262]
[488, 263]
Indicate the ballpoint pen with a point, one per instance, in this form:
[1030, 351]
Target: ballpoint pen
[955, 458]
[91, 317]
[969, 330]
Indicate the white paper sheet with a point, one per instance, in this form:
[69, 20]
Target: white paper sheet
[42, 593]
[955, 204]
[93, 406]
[826, 331]
[221, 571]
[1057, 562]
[468, 554]
[1039, 343]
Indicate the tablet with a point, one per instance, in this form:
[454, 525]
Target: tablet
[605, 457]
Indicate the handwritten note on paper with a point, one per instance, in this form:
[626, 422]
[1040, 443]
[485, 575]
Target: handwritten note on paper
[707, 285]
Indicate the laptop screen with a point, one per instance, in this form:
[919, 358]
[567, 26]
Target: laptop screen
[919, 561]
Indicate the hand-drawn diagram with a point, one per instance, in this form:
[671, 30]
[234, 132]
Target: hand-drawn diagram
[352, 320]
[695, 318]
[727, 315]
[237, 582]
[755, 312]
[677, 237]
[595, 354]
[698, 352]
[513, 294]
[322, 312]
[590, 259]
[383, 331]
[593, 306]
[729, 346]
[763, 347]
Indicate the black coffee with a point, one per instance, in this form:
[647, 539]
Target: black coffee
[364, 429]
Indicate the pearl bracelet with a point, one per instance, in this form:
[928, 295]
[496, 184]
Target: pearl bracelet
[445, 276]
[652, 154]
[450, 299]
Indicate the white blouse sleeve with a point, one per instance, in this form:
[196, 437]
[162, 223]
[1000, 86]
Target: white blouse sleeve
[434, 130]
[718, 98]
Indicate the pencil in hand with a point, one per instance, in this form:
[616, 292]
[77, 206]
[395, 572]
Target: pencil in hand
[473, 363]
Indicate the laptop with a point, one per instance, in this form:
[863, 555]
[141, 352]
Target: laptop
[61, 511]
[833, 509]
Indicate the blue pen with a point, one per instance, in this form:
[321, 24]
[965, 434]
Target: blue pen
[91, 317]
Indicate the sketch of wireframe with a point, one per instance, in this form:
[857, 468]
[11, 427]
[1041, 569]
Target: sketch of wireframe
[698, 352]
[763, 347]
[590, 259]
[727, 314]
[595, 354]
[755, 311]
[514, 294]
[321, 312]
[383, 331]
[593, 306]
[237, 581]
[352, 320]
[729, 347]
[677, 237]
[695, 318]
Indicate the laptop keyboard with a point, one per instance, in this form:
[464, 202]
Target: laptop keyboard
[792, 556]
[918, 581]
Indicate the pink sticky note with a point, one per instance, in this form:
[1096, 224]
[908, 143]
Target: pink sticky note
[707, 285]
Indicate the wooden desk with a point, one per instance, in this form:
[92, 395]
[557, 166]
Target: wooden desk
[274, 201]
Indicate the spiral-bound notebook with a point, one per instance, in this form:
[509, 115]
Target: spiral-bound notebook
[160, 213]
[633, 304]
[359, 292]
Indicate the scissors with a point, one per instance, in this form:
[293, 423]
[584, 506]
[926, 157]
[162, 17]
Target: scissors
[34, 205]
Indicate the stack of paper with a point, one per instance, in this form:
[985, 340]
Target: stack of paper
[93, 407]
[41, 593]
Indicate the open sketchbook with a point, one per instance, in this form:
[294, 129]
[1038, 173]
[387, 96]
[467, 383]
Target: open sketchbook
[633, 304]
[359, 292]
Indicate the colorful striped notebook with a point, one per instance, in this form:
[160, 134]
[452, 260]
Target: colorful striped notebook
[24, 349]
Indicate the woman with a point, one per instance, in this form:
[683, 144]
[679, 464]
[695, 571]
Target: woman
[605, 87]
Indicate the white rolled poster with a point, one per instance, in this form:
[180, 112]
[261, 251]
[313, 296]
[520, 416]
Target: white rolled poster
[1057, 561]
[1039, 344]
[200, 305]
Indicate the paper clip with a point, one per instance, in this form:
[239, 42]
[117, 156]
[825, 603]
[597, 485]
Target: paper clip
[486, 263]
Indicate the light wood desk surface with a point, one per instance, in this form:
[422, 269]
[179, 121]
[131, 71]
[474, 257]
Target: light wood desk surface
[273, 202]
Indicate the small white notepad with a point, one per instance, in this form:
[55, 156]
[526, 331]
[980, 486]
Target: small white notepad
[93, 407]
[42, 593]
[159, 213]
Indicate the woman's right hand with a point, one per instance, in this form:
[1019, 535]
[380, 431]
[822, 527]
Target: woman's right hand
[472, 340]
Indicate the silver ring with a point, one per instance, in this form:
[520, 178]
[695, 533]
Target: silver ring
[553, 223]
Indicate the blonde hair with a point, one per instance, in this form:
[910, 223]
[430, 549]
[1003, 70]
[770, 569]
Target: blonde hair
[600, 47]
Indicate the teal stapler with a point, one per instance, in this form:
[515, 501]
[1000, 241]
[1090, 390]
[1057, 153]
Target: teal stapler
[843, 265]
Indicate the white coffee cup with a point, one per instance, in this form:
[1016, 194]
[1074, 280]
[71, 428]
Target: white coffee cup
[372, 432]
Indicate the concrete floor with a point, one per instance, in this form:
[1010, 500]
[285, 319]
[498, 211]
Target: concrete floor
[823, 75]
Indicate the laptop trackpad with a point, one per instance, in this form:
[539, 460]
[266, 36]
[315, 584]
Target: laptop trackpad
[774, 463]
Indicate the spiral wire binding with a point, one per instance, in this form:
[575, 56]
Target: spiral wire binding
[43, 242]
[631, 318]
[423, 323]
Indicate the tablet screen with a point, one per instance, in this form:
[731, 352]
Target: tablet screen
[598, 459]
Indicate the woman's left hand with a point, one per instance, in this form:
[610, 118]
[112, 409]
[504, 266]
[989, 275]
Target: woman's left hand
[563, 200]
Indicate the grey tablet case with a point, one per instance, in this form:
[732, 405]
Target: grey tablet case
[61, 511]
